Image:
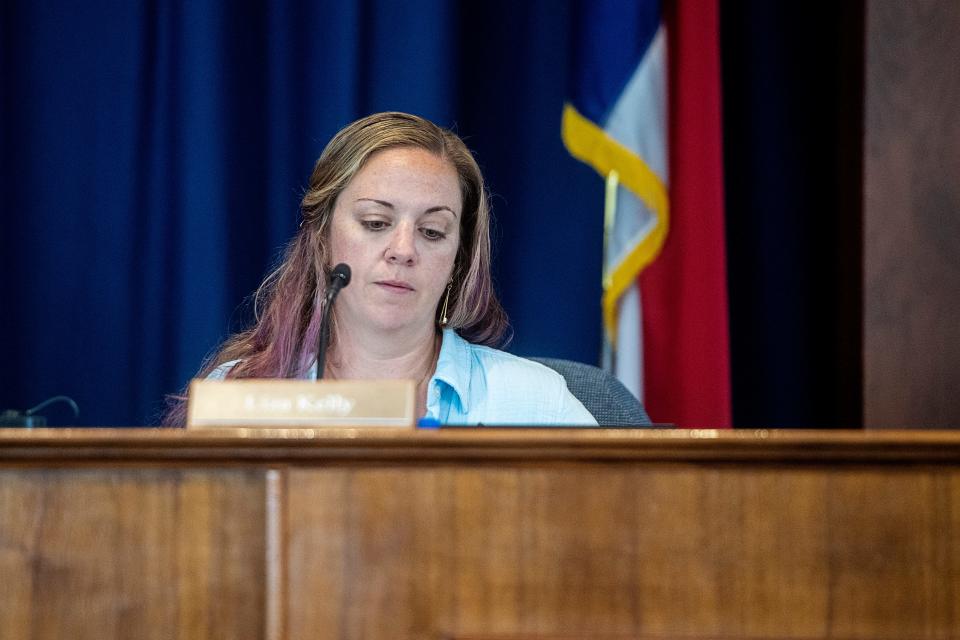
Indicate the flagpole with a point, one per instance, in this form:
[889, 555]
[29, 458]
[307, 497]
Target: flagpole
[608, 357]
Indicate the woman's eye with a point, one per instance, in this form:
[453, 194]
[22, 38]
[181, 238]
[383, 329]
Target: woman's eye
[432, 234]
[374, 225]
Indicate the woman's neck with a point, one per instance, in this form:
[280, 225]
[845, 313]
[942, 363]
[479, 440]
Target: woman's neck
[359, 355]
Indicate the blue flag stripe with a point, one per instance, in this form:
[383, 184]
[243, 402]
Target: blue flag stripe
[610, 38]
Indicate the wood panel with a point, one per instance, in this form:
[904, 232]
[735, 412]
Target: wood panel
[912, 215]
[128, 553]
[237, 447]
[630, 551]
[348, 533]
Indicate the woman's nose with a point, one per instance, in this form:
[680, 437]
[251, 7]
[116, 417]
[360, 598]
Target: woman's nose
[402, 248]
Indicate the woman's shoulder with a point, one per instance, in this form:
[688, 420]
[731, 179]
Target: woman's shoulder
[493, 360]
[503, 362]
[505, 389]
[504, 374]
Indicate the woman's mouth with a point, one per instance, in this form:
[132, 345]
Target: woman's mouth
[396, 286]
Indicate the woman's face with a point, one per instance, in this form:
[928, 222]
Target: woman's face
[397, 224]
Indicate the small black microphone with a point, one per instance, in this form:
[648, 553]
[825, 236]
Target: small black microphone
[339, 278]
[29, 419]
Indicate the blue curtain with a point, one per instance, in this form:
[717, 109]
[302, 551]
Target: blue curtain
[153, 156]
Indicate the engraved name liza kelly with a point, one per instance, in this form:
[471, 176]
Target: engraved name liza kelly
[332, 403]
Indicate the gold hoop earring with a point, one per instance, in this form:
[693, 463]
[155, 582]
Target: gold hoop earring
[446, 301]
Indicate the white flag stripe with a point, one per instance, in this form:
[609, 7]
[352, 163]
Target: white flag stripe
[638, 121]
[628, 360]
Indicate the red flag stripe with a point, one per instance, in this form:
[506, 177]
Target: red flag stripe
[684, 292]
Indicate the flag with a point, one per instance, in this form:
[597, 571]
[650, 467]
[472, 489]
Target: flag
[666, 331]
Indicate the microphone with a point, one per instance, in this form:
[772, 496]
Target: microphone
[28, 419]
[339, 278]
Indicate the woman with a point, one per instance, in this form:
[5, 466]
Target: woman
[402, 202]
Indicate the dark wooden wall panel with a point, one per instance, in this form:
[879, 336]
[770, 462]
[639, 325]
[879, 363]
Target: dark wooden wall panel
[912, 214]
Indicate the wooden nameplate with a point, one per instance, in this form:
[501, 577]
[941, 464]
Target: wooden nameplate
[300, 403]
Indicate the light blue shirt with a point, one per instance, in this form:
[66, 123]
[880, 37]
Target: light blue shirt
[475, 385]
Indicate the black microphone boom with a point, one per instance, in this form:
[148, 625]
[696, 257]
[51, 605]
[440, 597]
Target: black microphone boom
[339, 278]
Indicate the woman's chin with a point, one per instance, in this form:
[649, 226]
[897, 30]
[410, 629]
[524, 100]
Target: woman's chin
[385, 318]
[395, 323]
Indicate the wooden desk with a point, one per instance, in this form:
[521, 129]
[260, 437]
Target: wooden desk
[482, 534]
